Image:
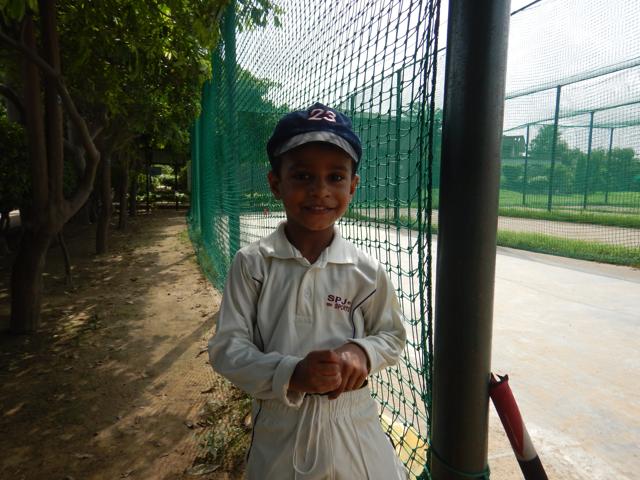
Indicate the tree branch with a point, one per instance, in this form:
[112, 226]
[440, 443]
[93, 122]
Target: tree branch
[67, 101]
[13, 97]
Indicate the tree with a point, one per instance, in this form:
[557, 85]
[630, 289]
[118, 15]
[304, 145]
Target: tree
[132, 68]
[48, 209]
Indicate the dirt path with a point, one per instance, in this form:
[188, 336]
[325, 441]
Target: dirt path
[112, 385]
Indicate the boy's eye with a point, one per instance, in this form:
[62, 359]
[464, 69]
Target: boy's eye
[336, 177]
[301, 176]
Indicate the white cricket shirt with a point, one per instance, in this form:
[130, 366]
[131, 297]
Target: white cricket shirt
[277, 307]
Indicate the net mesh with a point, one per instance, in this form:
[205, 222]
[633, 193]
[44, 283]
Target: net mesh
[570, 171]
[570, 166]
[376, 62]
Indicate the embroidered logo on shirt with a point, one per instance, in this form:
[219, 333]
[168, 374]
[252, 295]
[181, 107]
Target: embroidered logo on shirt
[339, 303]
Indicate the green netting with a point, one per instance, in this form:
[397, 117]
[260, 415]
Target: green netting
[570, 170]
[573, 189]
[375, 61]
[570, 166]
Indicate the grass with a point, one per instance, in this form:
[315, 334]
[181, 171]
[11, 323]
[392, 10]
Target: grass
[226, 432]
[592, 218]
[598, 252]
[567, 208]
[539, 200]
[534, 242]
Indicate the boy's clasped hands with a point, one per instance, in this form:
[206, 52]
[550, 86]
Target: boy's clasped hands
[331, 371]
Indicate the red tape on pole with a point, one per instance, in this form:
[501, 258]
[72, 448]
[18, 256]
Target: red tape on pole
[509, 414]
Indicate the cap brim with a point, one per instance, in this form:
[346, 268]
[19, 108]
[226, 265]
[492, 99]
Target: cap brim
[325, 137]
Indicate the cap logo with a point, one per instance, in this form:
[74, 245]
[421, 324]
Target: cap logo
[320, 114]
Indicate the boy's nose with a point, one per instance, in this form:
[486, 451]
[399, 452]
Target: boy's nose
[319, 187]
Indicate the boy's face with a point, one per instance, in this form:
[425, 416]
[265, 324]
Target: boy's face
[316, 184]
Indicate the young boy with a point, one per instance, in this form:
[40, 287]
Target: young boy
[306, 317]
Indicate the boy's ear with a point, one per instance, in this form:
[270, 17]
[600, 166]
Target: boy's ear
[274, 184]
[355, 179]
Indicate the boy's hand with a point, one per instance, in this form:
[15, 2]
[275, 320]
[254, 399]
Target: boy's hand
[354, 368]
[318, 372]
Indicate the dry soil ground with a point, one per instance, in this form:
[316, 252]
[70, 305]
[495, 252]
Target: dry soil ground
[116, 384]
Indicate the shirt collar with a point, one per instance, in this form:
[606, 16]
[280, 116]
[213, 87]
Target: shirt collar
[277, 245]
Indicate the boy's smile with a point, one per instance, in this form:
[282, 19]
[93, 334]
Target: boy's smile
[315, 183]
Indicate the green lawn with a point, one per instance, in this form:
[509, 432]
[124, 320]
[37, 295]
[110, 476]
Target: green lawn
[534, 242]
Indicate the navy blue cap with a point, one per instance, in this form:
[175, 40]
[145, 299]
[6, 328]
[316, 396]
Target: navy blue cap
[318, 123]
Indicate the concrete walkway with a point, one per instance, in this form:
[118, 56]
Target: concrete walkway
[567, 332]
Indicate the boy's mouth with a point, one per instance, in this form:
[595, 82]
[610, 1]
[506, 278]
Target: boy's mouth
[317, 208]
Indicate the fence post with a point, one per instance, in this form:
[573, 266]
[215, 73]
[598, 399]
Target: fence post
[586, 167]
[396, 210]
[231, 134]
[608, 179]
[526, 164]
[554, 145]
[468, 215]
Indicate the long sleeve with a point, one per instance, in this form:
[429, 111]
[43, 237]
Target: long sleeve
[232, 350]
[386, 335]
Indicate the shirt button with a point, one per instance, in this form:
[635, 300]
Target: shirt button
[307, 293]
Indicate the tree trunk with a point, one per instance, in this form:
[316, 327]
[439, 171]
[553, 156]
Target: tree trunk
[5, 225]
[133, 195]
[124, 188]
[106, 205]
[26, 282]
[83, 217]
[67, 259]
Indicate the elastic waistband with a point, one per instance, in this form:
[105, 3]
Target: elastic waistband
[347, 403]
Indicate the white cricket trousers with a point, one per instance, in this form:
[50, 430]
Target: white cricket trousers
[324, 439]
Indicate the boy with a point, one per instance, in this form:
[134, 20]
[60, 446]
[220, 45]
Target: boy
[306, 317]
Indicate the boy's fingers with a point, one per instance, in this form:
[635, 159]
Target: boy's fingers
[355, 382]
[328, 369]
[327, 356]
[343, 386]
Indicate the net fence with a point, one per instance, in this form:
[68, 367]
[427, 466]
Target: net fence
[374, 60]
[570, 166]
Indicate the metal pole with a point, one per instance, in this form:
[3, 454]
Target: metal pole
[554, 145]
[586, 167]
[608, 179]
[231, 137]
[396, 210]
[526, 164]
[469, 192]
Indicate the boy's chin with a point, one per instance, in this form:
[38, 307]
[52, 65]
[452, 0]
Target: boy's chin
[313, 226]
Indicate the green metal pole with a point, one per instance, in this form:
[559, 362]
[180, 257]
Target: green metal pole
[396, 210]
[608, 180]
[468, 217]
[526, 165]
[554, 145]
[231, 134]
[586, 167]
